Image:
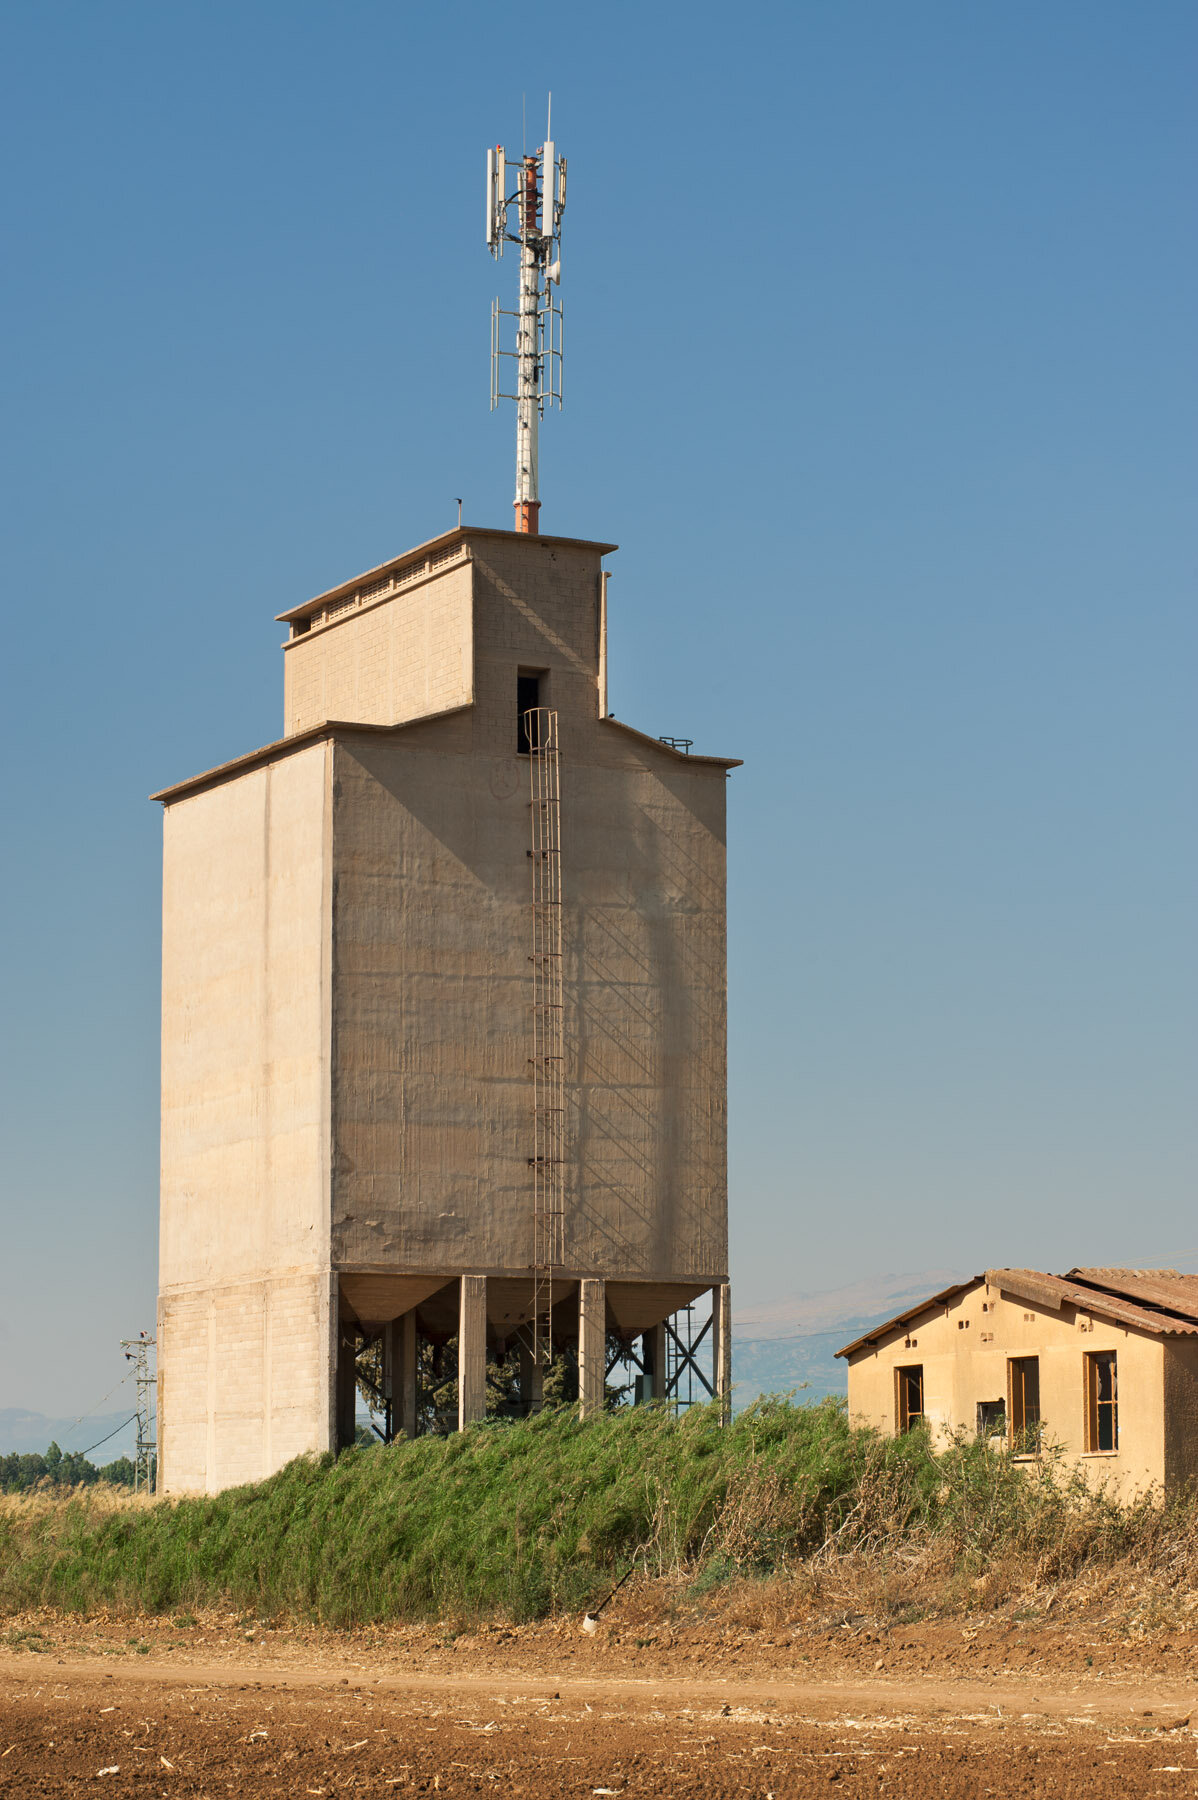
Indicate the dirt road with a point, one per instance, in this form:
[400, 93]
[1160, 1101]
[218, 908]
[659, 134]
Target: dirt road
[131, 1717]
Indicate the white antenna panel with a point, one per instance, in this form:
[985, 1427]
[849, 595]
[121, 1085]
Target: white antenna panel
[491, 198]
[549, 184]
[561, 185]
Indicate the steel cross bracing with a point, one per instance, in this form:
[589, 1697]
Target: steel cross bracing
[548, 1159]
[682, 1346]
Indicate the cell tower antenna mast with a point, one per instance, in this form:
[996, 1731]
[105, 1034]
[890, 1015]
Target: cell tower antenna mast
[534, 184]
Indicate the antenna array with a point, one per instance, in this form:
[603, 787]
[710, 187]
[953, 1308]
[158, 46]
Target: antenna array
[535, 185]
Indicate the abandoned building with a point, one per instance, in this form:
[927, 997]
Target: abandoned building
[443, 1008]
[1100, 1364]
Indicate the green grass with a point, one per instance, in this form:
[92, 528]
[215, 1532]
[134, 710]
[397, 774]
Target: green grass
[541, 1516]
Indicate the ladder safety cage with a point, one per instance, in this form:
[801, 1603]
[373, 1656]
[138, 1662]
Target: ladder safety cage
[548, 1159]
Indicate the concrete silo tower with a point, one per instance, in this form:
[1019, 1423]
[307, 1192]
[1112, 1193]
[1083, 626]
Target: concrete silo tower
[443, 1016]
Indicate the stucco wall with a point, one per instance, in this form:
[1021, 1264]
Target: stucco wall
[244, 1185]
[964, 1350]
[1181, 1413]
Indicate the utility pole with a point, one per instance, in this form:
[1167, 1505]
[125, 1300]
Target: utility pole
[137, 1351]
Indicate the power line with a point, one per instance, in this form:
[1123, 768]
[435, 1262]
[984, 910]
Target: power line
[103, 1440]
[95, 1409]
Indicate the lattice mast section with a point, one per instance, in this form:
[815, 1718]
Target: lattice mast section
[529, 193]
[548, 1160]
[137, 1351]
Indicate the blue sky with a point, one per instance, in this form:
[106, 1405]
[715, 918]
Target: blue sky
[880, 370]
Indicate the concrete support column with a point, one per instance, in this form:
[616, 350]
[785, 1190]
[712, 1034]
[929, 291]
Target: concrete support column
[391, 1358]
[653, 1346]
[347, 1390]
[721, 1346]
[472, 1350]
[532, 1380]
[592, 1347]
[399, 1373]
[160, 1410]
[328, 1309]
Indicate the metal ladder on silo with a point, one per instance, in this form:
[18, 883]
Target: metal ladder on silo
[548, 1159]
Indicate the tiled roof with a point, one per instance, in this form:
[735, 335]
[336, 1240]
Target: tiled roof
[1161, 1301]
[1167, 1289]
[1056, 1291]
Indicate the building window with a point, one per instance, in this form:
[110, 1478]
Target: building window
[1102, 1402]
[910, 1397]
[528, 697]
[992, 1419]
[1023, 1385]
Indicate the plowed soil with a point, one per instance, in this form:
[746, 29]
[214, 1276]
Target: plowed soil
[221, 1706]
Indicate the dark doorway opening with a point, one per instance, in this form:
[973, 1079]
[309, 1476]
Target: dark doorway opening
[528, 698]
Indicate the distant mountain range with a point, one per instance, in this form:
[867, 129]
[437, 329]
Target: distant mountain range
[776, 1348]
[792, 1343]
[24, 1430]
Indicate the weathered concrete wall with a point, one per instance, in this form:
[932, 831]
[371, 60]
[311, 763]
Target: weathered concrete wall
[404, 658]
[431, 1022]
[964, 1350]
[432, 1098]
[243, 1380]
[346, 1008]
[646, 1022]
[244, 1197]
[536, 607]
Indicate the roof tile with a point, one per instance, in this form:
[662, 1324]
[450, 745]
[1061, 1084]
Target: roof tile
[1161, 1301]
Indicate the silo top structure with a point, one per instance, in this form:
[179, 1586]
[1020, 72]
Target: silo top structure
[443, 1017]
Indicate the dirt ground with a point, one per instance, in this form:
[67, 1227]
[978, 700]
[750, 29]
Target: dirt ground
[224, 1705]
